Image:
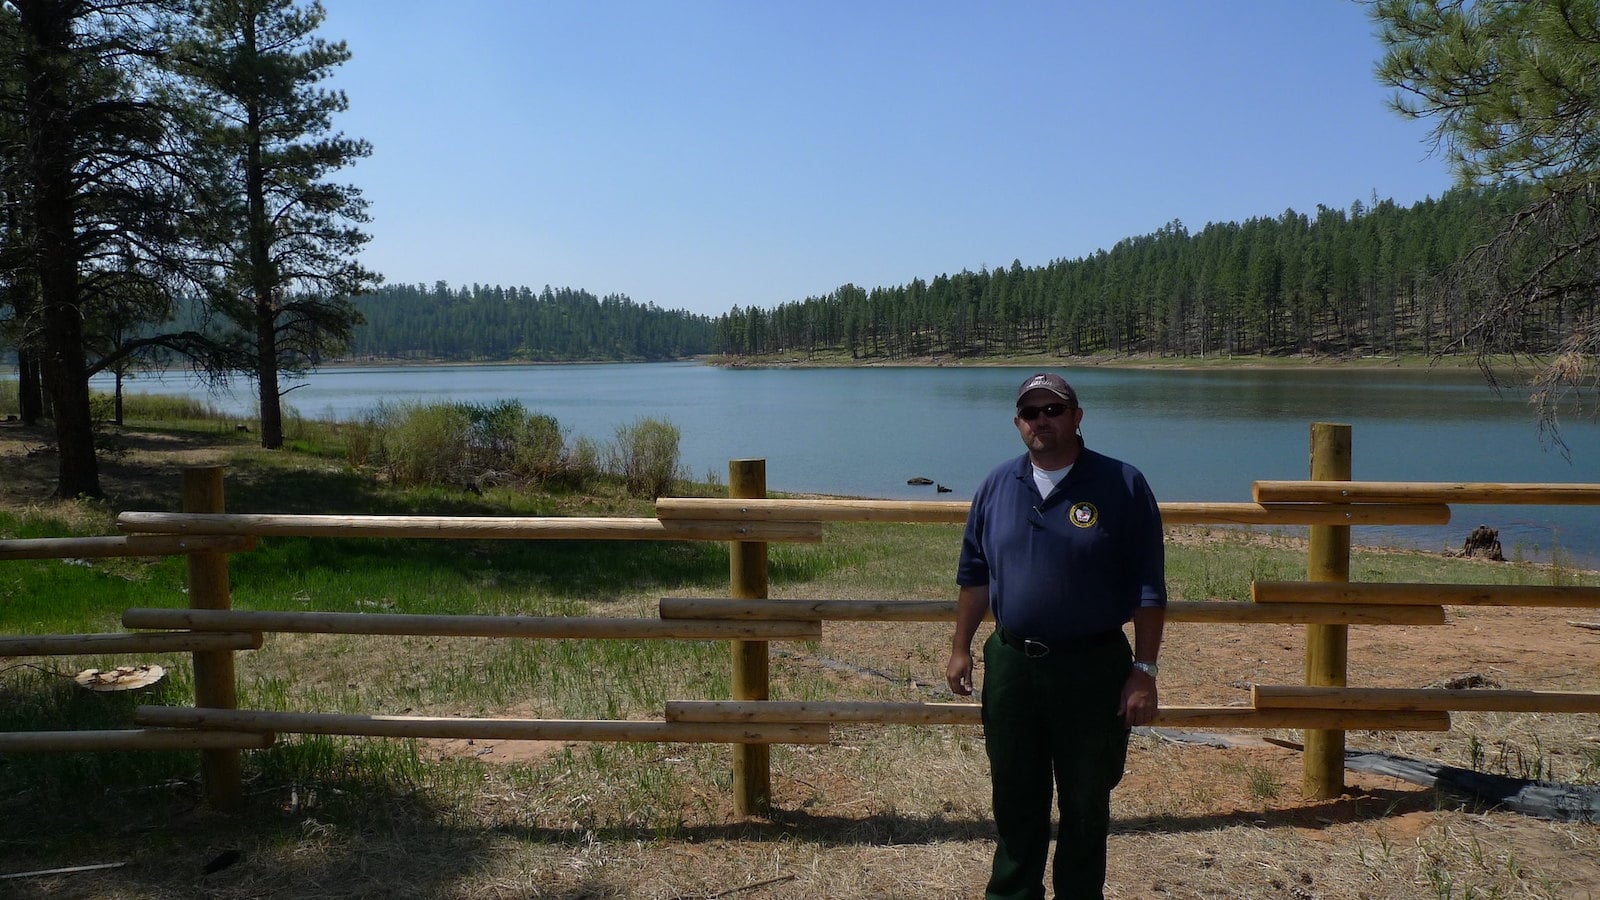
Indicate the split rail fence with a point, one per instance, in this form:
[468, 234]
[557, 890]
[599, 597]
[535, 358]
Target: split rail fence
[1327, 604]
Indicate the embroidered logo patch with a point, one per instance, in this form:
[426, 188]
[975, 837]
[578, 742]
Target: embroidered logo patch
[1084, 515]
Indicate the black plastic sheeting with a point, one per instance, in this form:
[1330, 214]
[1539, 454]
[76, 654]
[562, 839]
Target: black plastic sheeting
[1541, 799]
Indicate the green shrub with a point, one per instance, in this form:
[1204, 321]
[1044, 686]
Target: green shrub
[473, 444]
[424, 443]
[539, 452]
[584, 460]
[492, 433]
[645, 457]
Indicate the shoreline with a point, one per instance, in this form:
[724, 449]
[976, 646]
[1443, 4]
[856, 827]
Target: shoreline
[1455, 363]
[1461, 362]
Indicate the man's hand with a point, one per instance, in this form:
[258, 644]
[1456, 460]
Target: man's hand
[959, 672]
[1138, 699]
[971, 604]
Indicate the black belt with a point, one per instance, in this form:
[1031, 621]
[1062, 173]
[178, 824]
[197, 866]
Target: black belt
[1036, 649]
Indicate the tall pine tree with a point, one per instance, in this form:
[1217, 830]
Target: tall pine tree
[91, 175]
[285, 237]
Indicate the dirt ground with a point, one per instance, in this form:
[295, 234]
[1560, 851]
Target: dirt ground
[1191, 820]
[145, 471]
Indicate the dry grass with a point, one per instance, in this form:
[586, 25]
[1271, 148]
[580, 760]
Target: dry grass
[878, 812]
[895, 812]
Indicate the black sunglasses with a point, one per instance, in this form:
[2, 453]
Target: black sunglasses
[1029, 413]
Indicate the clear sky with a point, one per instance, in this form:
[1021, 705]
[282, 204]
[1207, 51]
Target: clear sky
[698, 154]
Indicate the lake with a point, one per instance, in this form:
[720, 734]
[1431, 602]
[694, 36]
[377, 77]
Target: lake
[1196, 434]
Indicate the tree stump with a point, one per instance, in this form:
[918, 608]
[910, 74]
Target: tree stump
[1483, 541]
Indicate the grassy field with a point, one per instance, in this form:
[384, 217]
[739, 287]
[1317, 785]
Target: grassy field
[890, 812]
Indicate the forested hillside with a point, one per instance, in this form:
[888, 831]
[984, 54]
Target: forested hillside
[1338, 282]
[407, 321]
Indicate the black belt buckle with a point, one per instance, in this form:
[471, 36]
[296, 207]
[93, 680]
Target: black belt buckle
[1035, 649]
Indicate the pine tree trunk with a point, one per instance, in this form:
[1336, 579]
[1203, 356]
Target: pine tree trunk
[52, 219]
[78, 473]
[263, 285]
[267, 378]
[30, 388]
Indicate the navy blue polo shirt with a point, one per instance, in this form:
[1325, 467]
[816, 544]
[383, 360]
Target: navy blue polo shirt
[1076, 564]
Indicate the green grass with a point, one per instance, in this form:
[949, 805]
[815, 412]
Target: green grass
[348, 785]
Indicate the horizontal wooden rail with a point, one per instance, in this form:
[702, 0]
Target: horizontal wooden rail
[832, 610]
[1231, 612]
[1425, 492]
[1440, 699]
[1215, 611]
[1303, 514]
[1412, 594]
[784, 510]
[131, 739]
[823, 712]
[955, 511]
[469, 626]
[526, 528]
[775, 711]
[123, 545]
[1333, 719]
[94, 644]
[481, 729]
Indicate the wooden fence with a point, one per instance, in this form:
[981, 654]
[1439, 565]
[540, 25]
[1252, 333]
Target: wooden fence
[1326, 603]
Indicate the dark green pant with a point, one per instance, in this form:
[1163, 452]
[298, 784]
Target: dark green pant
[1053, 716]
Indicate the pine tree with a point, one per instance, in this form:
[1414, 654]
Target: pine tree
[284, 237]
[1511, 88]
[92, 171]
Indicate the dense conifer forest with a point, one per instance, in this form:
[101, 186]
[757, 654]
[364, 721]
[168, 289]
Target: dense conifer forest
[1340, 281]
[485, 322]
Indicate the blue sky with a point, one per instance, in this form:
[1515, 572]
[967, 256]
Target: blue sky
[700, 154]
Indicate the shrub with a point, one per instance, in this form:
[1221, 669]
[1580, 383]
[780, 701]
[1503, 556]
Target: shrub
[425, 443]
[492, 434]
[645, 457]
[470, 444]
[584, 460]
[539, 451]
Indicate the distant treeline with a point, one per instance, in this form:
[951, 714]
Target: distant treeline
[405, 321]
[1342, 281]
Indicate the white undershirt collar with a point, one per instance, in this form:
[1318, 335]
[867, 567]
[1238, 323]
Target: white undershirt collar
[1047, 480]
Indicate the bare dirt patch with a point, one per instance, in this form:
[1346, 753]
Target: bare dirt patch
[145, 468]
[897, 813]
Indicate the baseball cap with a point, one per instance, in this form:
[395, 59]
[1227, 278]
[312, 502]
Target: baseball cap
[1047, 381]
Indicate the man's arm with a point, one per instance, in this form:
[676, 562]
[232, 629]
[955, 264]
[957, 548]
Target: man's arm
[1139, 699]
[971, 606]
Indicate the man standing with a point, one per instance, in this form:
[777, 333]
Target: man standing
[1065, 545]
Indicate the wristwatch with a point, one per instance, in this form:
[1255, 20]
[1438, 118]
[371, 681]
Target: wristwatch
[1148, 668]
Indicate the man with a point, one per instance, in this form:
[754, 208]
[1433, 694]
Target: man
[1065, 545]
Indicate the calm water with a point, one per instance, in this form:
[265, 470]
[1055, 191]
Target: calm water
[1198, 435]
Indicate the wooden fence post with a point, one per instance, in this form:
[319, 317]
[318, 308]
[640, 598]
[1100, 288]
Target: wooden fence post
[747, 578]
[1327, 646]
[214, 684]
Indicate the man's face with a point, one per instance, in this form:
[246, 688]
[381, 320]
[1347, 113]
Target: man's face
[1045, 433]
